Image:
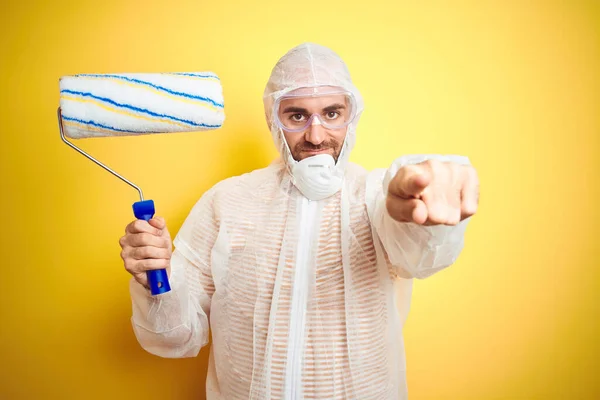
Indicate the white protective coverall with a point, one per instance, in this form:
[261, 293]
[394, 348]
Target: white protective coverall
[305, 299]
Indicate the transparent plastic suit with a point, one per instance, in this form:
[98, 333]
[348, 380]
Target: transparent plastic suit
[305, 299]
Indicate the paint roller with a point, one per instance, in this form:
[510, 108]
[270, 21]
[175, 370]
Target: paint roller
[101, 105]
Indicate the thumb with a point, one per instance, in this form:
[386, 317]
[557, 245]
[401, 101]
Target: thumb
[158, 223]
[410, 181]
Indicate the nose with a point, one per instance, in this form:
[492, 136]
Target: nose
[315, 133]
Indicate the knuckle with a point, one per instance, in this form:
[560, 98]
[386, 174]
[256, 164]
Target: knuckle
[453, 221]
[433, 164]
[455, 216]
[149, 252]
[453, 171]
[472, 177]
[437, 217]
[145, 239]
[400, 175]
[469, 210]
[471, 172]
[433, 220]
[129, 265]
[410, 170]
[141, 253]
[143, 265]
[139, 224]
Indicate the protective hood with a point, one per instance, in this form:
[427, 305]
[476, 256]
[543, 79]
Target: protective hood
[307, 66]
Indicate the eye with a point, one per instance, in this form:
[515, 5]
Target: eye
[298, 117]
[331, 115]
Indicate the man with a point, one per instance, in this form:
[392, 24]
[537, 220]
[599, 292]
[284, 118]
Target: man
[303, 270]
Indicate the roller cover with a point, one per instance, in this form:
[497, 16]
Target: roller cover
[96, 105]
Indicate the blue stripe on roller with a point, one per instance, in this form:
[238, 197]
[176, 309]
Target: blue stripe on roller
[133, 108]
[99, 125]
[157, 87]
[196, 75]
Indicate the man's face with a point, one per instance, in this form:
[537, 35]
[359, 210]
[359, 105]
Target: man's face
[316, 138]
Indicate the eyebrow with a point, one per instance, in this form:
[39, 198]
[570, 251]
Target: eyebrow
[332, 107]
[295, 110]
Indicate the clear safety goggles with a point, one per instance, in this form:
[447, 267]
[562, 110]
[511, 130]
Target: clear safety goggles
[297, 111]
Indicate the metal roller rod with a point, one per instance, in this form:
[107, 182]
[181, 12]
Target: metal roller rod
[64, 139]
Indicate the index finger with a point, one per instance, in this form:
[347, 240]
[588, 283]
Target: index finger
[141, 226]
[410, 181]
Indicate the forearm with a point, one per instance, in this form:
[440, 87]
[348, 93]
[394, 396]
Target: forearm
[172, 324]
[418, 251]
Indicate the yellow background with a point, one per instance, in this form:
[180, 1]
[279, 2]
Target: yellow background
[514, 85]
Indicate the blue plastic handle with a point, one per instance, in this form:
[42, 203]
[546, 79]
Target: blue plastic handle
[158, 278]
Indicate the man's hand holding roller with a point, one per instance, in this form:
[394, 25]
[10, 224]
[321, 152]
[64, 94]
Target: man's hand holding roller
[146, 246]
